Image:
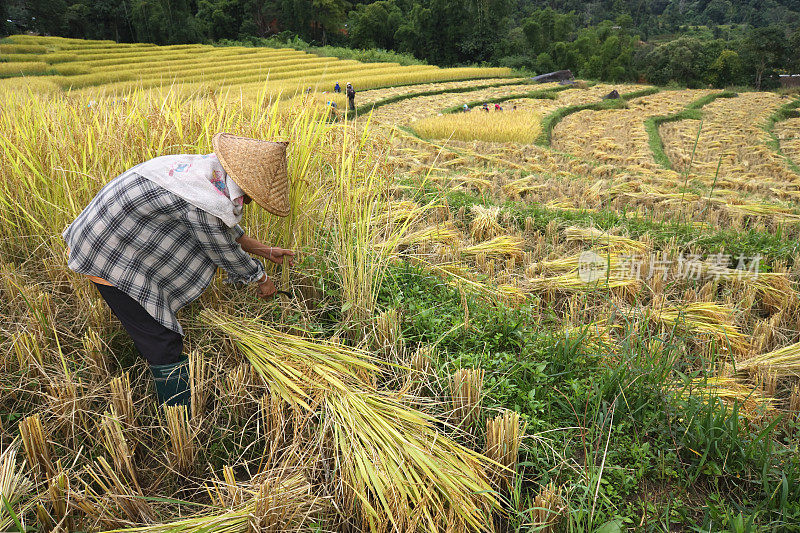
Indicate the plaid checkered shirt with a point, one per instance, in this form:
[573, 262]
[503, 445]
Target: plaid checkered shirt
[155, 246]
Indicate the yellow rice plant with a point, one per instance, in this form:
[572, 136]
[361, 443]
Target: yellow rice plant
[774, 212]
[58, 491]
[503, 436]
[497, 248]
[784, 362]
[394, 469]
[13, 485]
[706, 320]
[775, 288]
[198, 385]
[441, 233]
[506, 126]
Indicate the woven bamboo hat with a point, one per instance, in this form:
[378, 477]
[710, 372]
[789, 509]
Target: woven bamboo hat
[258, 167]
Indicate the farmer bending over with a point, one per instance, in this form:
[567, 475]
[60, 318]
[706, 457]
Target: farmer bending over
[153, 237]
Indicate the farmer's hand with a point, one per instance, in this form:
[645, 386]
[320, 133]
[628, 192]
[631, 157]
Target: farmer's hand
[277, 255]
[266, 289]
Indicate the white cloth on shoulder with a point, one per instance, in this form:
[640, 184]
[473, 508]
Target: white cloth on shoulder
[198, 179]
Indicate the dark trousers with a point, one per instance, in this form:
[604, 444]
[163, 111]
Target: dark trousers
[158, 344]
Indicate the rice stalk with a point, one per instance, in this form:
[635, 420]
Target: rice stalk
[29, 352]
[110, 498]
[484, 223]
[605, 241]
[183, 449]
[122, 399]
[278, 500]
[465, 394]
[198, 385]
[58, 491]
[37, 447]
[547, 509]
[388, 333]
[116, 445]
[96, 352]
[730, 390]
[503, 436]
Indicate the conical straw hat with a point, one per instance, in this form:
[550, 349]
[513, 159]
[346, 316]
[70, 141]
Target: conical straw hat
[258, 167]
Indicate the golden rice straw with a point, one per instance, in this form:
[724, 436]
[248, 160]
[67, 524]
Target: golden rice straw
[497, 248]
[598, 238]
[387, 332]
[730, 390]
[96, 352]
[707, 319]
[784, 362]
[465, 393]
[58, 490]
[198, 387]
[391, 462]
[116, 497]
[484, 222]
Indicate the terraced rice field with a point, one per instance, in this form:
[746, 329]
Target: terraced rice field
[741, 153]
[618, 137]
[596, 326]
[117, 68]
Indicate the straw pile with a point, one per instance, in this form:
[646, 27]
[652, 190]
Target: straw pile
[392, 468]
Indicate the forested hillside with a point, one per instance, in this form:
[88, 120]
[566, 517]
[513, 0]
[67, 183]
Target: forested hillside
[694, 43]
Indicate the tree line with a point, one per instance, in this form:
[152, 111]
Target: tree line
[694, 43]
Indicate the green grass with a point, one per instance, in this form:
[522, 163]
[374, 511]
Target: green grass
[550, 121]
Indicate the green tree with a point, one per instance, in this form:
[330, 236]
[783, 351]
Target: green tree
[374, 25]
[763, 51]
[725, 70]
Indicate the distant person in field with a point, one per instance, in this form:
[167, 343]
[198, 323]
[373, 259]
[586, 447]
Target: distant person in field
[351, 97]
[466, 108]
[485, 107]
[497, 107]
[152, 239]
[337, 88]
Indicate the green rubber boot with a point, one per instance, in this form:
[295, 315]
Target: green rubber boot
[172, 382]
